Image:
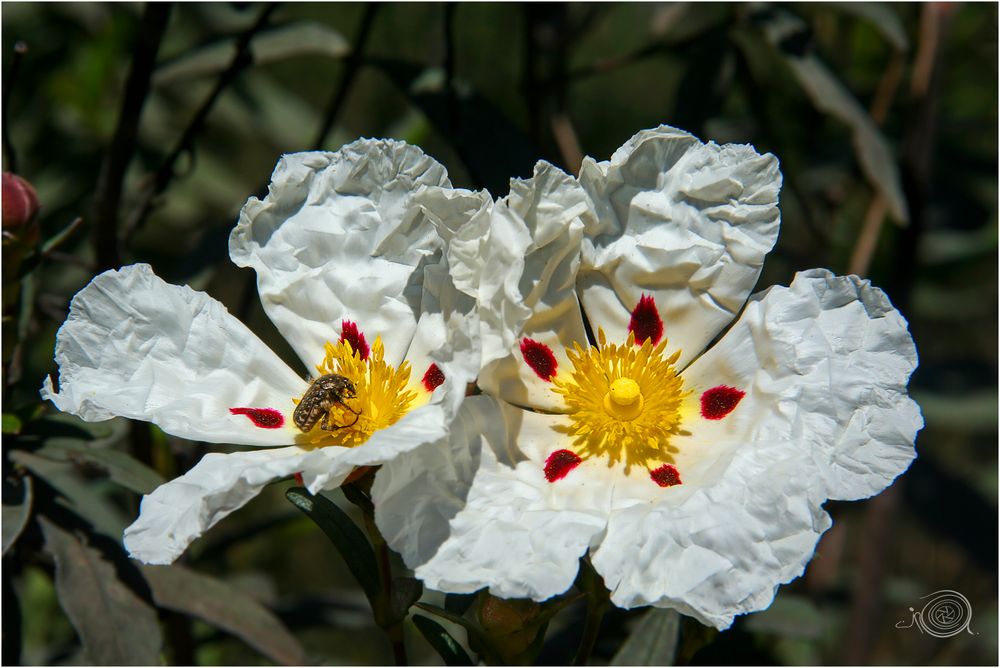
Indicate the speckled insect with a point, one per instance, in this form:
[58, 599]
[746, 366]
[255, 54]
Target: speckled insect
[321, 396]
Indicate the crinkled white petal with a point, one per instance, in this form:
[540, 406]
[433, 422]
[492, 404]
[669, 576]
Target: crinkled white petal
[141, 348]
[718, 550]
[338, 237]
[416, 496]
[447, 332]
[824, 362]
[527, 287]
[462, 219]
[179, 511]
[686, 222]
[516, 533]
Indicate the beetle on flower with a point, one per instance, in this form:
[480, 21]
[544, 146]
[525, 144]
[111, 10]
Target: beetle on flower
[352, 274]
[693, 474]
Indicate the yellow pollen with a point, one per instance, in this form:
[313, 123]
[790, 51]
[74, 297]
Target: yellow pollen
[382, 395]
[624, 401]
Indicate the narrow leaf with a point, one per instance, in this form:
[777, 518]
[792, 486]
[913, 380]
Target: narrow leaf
[223, 606]
[349, 540]
[17, 498]
[121, 467]
[882, 16]
[116, 627]
[296, 39]
[82, 498]
[447, 647]
[654, 641]
[784, 29]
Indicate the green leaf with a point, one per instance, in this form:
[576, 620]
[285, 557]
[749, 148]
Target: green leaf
[296, 39]
[969, 412]
[116, 627]
[223, 606]
[82, 497]
[653, 642]
[17, 498]
[882, 16]
[11, 424]
[121, 467]
[831, 97]
[447, 647]
[349, 540]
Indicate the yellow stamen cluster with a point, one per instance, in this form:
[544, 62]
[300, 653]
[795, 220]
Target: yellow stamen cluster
[624, 401]
[382, 394]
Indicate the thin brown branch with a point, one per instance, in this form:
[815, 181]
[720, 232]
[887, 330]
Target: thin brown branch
[109, 181]
[864, 248]
[242, 58]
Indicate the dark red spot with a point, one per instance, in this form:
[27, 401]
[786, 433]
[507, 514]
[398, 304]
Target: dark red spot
[720, 401]
[540, 358]
[265, 418]
[666, 476]
[433, 377]
[560, 463]
[298, 479]
[349, 332]
[645, 322]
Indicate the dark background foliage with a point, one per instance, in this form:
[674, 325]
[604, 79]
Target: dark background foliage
[145, 128]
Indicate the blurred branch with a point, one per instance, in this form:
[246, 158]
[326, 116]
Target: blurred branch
[112, 174]
[20, 48]
[885, 94]
[351, 67]
[242, 58]
[918, 143]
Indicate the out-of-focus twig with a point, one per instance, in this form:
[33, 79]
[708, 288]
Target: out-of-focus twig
[864, 247]
[20, 48]
[351, 66]
[885, 94]
[916, 154]
[567, 141]
[112, 173]
[242, 58]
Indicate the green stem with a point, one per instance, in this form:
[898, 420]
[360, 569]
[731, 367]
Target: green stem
[393, 629]
[595, 613]
[598, 600]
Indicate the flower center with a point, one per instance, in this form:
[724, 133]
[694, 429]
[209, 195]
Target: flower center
[624, 401]
[381, 395]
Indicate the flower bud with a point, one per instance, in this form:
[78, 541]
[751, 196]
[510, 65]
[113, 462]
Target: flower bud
[20, 203]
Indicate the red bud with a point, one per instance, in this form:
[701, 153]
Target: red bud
[20, 203]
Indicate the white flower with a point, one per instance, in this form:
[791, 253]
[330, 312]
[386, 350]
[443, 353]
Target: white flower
[695, 478]
[352, 274]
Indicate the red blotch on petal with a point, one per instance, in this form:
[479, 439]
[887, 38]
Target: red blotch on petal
[645, 322]
[349, 332]
[560, 463]
[720, 401]
[265, 418]
[298, 479]
[433, 377]
[666, 476]
[540, 358]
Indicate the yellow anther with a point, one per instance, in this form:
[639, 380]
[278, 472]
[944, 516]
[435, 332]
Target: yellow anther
[625, 392]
